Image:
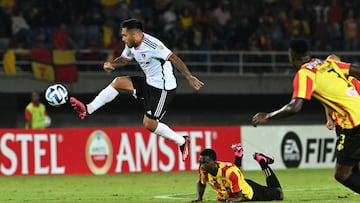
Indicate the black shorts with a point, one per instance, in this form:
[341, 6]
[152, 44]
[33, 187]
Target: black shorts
[348, 146]
[338, 130]
[263, 193]
[155, 100]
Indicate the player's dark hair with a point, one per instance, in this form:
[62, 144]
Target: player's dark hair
[210, 153]
[132, 23]
[299, 46]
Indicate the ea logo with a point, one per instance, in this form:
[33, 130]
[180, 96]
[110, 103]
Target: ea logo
[99, 152]
[291, 150]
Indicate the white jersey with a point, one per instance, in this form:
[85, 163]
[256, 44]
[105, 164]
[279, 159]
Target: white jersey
[152, 56]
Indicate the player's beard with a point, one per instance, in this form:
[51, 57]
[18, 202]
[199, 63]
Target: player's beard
[131, 43]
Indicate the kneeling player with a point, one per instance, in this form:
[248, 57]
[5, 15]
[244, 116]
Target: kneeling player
[229, 183]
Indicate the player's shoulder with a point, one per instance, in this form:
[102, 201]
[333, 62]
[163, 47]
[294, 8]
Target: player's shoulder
[29, 105]
[152, 38]
[151, 41]
[226, 167]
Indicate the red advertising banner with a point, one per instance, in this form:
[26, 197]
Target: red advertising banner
[107, 150]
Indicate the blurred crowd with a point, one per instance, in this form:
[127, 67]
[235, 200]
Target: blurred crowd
[182, 25]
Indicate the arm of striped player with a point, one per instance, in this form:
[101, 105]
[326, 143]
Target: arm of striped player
[287, 110]
[200, 192]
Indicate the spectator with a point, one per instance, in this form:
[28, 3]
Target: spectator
[61, 37]
[169, 18]
[350, 31]
[20, 29]
[107, 32]
[321, 34]
[222, 13]
[186, 18]
[335, 18]
[36, 116]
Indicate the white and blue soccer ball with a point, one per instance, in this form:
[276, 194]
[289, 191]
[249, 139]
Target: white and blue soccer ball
[56, 95]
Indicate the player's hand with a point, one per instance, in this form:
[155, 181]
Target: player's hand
[195, 83]
[108, 67]
[259, 118]
[330, 124]
[196, 201]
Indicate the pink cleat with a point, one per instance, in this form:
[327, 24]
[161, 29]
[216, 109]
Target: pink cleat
[262, 157]
[238, 149]
[185, 148]
[79, 107]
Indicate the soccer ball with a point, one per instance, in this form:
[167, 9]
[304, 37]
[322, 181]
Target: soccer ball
[56, 95]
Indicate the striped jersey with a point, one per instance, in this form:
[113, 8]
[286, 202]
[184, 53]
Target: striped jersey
[228, 180]
[336, 116]
[327, 81]
[152, 56]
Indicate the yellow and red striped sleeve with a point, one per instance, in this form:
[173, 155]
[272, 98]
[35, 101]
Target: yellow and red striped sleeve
[303, 84]
[202, 177]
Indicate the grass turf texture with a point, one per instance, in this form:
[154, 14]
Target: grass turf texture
[305, 185]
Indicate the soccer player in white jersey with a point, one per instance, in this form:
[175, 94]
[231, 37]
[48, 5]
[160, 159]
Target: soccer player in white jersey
[157, 88]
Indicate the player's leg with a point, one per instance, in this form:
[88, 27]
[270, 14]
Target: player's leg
[356, 168]
[344, 174]
[238, 153]
[274, 190]
[123, 83]
[155, 104]
[347, 157]
[263, 193]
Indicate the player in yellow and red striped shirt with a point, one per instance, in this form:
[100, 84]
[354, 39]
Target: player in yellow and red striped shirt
[229, 183]
[333, 119]
[327, 81]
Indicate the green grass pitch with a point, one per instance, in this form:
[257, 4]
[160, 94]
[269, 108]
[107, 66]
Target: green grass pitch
[300, 185]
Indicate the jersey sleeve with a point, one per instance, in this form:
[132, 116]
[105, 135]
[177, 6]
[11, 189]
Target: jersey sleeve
[235, 179]
[303, 84]
[162, 52]
[202, 178]
[127, 54]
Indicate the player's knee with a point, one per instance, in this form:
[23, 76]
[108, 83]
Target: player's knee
[340, 176]
[149, 124]
[119, 82]
[281, 194]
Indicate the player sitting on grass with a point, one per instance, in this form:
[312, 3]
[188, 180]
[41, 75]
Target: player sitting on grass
[228, 181]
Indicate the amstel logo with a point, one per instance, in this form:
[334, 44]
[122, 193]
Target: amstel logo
[99, 152]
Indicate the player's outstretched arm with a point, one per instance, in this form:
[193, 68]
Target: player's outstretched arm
[116, 63]
[180, 65]
[200, 193]
[289, 109]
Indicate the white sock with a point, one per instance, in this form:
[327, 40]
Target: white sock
[164, 131]
[106, 95]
